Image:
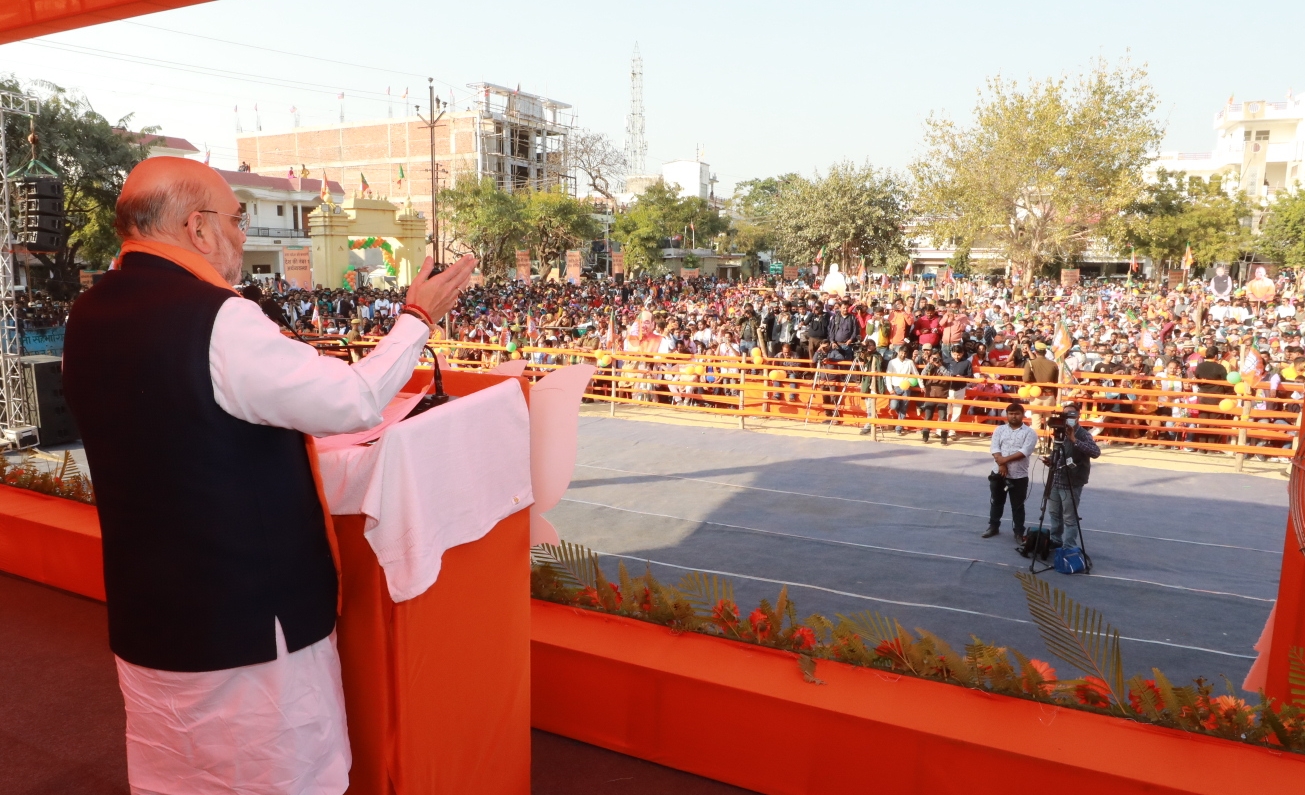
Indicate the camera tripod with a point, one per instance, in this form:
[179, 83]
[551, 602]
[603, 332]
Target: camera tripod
[1039, 546]
[856, 366]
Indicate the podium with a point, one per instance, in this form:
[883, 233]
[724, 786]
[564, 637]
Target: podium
[437, 687]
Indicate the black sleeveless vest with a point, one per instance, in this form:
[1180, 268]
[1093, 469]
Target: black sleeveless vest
[212, 526]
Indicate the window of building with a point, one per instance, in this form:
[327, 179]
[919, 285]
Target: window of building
[243, 208]
[1246, 136]
[1261, 135]
[280, 210]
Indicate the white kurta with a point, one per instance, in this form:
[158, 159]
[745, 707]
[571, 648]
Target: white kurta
[276, 728]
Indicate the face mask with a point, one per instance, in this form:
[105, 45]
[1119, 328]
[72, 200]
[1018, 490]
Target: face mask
[1071, 422]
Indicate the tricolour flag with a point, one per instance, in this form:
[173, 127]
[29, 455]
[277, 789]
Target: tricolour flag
[401, 175]
[365, 186]
[1132, 259]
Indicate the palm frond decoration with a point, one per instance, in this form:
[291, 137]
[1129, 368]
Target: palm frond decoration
[807, 665]
[68, 468]
[873, 628]
[1296, 674]
[1075, 634]
[955, 665]
[704, 592]
[574, 563]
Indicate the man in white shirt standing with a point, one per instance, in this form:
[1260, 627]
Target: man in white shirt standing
[1012, 445]
[221, 599]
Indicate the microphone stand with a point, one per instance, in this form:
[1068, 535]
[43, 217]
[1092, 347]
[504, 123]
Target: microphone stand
[438, 396]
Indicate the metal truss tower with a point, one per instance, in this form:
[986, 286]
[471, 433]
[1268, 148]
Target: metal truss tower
[14, 410]
[636, 148]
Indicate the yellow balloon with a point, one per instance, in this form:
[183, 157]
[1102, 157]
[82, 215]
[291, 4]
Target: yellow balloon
[1242, 388]
[516, 354]
[1227, 404]
[604, 360]
[1289, 373]
[776, 375]
[1022, 391]
[1035, 391]
[699, 369]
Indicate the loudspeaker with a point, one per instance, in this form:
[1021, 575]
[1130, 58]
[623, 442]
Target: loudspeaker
[50, 414]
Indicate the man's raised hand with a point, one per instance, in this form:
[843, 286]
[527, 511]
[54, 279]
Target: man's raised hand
[437, 294]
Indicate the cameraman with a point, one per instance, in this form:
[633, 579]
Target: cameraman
[843, 332]
[1074, 446]
[1012, 444]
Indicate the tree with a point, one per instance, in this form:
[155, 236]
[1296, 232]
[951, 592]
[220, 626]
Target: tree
[92, 157]
[659, 215]
[594, 156]
[1173, 212]
[752, 230]
[489, 221]
[556, 221]
[1282, 232]
[852, 212]
[1041, 166]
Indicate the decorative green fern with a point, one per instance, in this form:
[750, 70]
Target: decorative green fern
[1075, 634]
[704, 592]
[575, 564]
[1296, 674]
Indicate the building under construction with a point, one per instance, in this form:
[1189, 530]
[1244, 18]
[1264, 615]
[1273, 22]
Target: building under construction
[518, 139]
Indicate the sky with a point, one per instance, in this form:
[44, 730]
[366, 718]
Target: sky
[763, 88]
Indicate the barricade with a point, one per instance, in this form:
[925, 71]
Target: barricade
[1120, 410]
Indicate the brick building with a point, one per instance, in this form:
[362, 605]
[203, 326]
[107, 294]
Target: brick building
[518, 139]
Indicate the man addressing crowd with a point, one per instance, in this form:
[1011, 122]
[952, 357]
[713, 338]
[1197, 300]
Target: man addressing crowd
[197, 416]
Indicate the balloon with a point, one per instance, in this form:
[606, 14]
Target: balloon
[1242, 389]
[512, 347]
[757, 356]
[776, 375]
[912, 382]
[699, 369]
[1035, 391]
[604, 360]
[1289, 373]
[516, 354]
[1022, 391]
[1227, 404]
[1234, 377]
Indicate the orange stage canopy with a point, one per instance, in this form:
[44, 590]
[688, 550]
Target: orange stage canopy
[25, 19]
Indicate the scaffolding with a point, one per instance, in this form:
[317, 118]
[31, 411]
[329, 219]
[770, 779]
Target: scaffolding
[16, 430]
[522, 139]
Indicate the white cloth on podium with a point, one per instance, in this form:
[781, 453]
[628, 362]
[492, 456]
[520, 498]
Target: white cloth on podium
[276, 728]
[433, 482]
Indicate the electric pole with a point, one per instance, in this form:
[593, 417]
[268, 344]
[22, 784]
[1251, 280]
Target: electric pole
[435, 104]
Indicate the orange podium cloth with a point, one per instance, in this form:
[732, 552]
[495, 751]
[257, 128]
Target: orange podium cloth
[437, 687]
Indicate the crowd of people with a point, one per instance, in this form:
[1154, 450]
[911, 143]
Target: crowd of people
[927, 337]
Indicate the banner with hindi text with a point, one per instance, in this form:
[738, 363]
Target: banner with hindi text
[573, 261]
[523, 266]
[297, 262]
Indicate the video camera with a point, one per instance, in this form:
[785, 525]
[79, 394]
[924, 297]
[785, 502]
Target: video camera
[1056, 422]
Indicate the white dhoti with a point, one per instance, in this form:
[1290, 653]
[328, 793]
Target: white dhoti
[276, 728]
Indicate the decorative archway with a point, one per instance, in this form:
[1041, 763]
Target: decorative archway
[360, 224]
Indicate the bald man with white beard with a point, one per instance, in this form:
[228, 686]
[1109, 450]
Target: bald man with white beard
[197, 416]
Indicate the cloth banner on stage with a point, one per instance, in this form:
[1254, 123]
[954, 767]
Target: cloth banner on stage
[689, 273]
[523, 267]
[618, 263]
[1069, 277]
[298, 267]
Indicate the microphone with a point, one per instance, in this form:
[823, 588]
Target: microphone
[271, 309]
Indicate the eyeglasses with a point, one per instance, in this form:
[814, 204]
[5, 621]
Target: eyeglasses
[243, 218]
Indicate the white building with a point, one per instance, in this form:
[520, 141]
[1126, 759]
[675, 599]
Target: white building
[692, 176]
[1260, 143]
[278, 210]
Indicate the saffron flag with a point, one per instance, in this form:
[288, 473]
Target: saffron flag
[1132, 260]
[326, 189]
[317, 319]
[1187, 258]
[906, 272]
[1061, 342]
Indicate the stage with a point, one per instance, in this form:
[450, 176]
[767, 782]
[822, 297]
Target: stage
[1186, 564]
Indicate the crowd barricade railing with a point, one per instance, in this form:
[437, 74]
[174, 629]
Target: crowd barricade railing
[1120, 410]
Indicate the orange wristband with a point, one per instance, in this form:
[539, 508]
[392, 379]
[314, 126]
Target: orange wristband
[419, 313]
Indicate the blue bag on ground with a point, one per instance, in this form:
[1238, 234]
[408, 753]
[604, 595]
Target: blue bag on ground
[1070, 560]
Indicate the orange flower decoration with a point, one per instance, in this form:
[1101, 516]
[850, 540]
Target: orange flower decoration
[1092, 692]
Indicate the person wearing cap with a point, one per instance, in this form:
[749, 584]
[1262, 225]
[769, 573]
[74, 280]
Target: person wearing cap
[1068, 481]
[1041, 370]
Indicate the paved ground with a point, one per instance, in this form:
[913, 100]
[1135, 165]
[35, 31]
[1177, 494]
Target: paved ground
[1186, 562]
